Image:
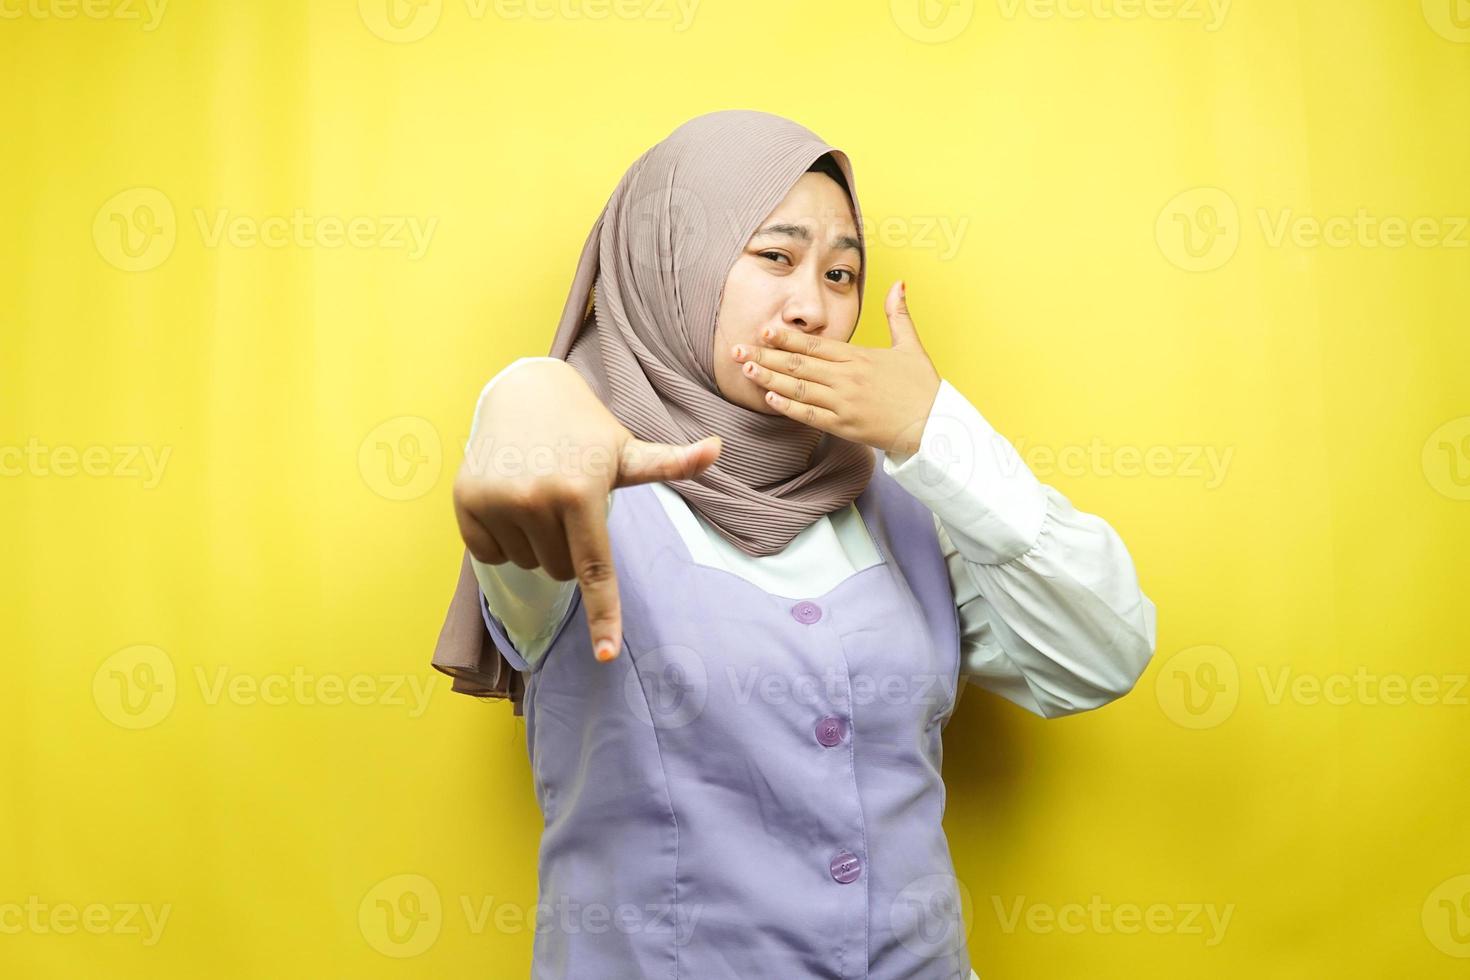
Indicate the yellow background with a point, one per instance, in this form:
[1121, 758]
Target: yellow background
[1119, 282]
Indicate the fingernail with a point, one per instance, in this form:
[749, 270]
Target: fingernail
[903, 287]
[606, 650]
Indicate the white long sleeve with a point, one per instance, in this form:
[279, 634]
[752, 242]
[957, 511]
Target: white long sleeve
[1051, 615]
[528, 601]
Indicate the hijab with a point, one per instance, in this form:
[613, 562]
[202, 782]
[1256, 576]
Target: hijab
[639, 327]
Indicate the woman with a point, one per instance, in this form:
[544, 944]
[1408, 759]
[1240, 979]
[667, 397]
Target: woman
[752, 789]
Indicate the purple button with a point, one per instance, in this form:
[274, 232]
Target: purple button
[846, 867]
[830, 730]
[806, 612]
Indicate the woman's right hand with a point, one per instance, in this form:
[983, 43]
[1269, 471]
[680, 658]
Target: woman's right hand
[534, 486]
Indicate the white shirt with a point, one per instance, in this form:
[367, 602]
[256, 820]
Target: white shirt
[1051, 614]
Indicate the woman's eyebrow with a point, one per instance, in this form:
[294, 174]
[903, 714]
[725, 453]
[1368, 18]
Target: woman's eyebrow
[799, 231]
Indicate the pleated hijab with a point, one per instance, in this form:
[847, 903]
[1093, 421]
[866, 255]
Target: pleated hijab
[639, 327]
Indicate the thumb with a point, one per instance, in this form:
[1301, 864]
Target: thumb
[649, 462]
[900, 325]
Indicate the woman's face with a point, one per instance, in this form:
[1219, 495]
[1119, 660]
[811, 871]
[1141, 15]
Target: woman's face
[799, 271]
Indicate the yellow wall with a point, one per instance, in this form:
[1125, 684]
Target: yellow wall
[217, 700]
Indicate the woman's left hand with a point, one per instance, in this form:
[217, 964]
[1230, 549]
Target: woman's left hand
[879, 396]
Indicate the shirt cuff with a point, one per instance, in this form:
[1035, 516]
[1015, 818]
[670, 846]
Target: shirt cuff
[973, 480]
[475, 420]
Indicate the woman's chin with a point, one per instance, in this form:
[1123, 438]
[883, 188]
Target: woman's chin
[753, 397]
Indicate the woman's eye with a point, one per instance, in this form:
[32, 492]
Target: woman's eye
[782, 256]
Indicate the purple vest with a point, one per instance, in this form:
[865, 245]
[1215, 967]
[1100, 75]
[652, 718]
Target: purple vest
[752, 788]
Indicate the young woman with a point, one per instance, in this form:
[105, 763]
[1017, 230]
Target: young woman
[744, 779]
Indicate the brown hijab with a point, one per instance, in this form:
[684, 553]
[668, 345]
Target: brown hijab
[658, 257]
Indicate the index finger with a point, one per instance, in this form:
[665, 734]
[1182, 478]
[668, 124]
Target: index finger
[591, 552]
[824, 348]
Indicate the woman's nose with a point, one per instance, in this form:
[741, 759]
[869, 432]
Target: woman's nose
[806, 307]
